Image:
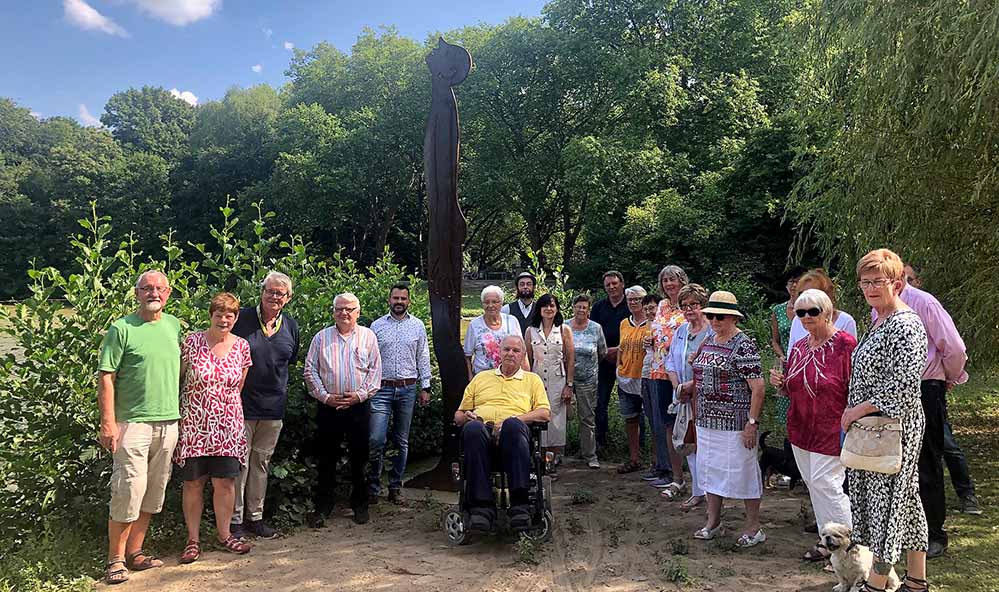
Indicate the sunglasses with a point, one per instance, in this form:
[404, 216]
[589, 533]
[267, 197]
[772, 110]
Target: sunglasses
[812, 312]
[712, 316]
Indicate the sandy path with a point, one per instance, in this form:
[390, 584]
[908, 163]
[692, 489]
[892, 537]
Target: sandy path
[620, 542]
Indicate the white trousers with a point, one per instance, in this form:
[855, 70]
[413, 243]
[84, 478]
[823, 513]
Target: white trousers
[824, 475]
[695, 487]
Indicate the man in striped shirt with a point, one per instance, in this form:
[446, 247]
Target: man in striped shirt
[342, 371]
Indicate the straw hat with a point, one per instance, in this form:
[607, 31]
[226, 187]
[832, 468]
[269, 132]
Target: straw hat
[723, 303]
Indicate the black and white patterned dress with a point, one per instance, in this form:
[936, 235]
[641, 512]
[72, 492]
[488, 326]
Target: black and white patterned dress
[887, 367]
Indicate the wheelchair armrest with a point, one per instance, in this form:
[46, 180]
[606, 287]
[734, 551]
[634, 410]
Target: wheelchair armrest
[538, 426]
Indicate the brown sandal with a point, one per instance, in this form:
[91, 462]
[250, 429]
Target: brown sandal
[149, 561]
[192, 552]
[115, 576]
[234, 545]
[628, 467]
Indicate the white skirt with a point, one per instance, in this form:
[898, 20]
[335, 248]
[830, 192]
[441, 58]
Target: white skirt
[727, 468]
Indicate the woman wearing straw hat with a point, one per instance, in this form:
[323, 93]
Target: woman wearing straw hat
[728, 386]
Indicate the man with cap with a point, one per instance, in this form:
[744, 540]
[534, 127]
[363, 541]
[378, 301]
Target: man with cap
[523, 306]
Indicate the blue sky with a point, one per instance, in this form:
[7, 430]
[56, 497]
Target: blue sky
[67, 57]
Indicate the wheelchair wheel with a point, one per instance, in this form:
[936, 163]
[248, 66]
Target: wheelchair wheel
[453, 522]
[543, 533]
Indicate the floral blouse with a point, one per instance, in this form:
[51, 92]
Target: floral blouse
[667, 320]
[211, 410]
[590, 347]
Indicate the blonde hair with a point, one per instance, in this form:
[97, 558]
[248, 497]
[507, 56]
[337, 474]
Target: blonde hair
[635, 292]
[883, 261]
[696, 292]
[225, 302]
[820, 280]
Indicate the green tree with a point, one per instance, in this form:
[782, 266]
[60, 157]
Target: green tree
[150, 120]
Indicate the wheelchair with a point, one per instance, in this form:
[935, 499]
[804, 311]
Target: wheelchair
[455, 518]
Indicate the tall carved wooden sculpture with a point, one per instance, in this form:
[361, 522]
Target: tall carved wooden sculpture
[449, 66]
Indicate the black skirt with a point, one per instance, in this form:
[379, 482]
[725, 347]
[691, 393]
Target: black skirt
[217, 467]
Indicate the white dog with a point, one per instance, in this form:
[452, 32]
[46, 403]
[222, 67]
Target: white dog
[851, 561]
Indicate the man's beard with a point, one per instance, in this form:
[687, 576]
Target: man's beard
[399, 309]
[152, 306]
[525, 294]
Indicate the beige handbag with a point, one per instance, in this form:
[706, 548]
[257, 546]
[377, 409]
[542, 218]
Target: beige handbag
[873, 444]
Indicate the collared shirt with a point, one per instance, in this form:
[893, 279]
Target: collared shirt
[609, 317]
[404, 348]
[495, 397]
[946, 354]
[631, 355]
[524, 310]
[339, 364]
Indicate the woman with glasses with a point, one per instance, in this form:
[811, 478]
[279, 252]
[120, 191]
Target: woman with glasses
[816, 379]
[728, 380]
[630, 358]
[589, 347]
[485, 332]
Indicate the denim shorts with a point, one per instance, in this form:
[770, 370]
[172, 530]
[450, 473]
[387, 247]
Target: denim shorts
[629, 405]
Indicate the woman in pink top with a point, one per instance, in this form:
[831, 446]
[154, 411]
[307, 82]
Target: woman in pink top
[817, 381]
[212, 440]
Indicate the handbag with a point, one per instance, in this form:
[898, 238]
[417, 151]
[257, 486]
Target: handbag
[684, 434]
[873, 443]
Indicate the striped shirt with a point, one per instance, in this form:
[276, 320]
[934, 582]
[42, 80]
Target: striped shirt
[339, 364]
[404, 348]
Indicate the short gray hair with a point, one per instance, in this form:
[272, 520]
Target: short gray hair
[347, 296]
[635, 292]
[492, 290]
[278, 278]
[142, 276]
[523, 343]
[813, 298]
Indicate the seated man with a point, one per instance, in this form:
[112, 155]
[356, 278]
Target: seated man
[494, 412]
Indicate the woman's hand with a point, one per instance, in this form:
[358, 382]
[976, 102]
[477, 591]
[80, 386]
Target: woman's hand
[849, 416]
[686, 391]
[567, 393]
[776, 378]
[647, 341]
[749, 436]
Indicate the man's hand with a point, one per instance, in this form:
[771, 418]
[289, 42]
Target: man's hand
[108, 436]
[496, 431]
[347, 400]
[424, 399]
[611, 355]
[465, 417]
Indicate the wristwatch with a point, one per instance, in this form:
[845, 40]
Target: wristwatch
[569, 384]
[754, 421]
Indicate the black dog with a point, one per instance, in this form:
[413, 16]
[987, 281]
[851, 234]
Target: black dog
[776, 460]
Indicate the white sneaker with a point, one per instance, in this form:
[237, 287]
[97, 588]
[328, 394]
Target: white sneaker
[593, 464]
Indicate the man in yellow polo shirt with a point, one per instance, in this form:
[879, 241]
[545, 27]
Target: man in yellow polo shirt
[494, 412]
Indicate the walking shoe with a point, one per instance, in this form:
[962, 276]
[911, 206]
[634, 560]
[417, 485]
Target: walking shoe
[593, 464]
[259, 529]
[935, 549]
[373, 499]
[481, 519]
[650, 476]
[660, 483]
[361, 515]
[395, 497]
[238, 531]
[520, 517]
[969, 505]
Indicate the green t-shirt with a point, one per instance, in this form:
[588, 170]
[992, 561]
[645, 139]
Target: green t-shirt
[146, 357]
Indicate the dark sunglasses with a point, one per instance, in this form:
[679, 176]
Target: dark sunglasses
[812, 312]
[712, 316]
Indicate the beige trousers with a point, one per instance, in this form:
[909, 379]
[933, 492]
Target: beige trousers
[141, 470]
[251, 487]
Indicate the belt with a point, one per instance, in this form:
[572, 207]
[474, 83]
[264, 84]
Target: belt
[398, 383]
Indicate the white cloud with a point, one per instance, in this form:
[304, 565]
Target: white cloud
[267, 32]
[87, 119]
[87, 18]
[179, 12]
[36, 114]
[186, 96]
[289, 45]
[258, 68]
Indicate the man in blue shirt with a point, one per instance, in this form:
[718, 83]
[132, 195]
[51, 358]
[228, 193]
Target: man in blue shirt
[274, 341]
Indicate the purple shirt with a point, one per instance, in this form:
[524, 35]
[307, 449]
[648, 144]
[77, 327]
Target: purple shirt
[946, 353]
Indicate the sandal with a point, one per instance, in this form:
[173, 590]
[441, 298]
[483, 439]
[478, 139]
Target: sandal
[746, 540]
[706, 534]
[865, 587]
[149, 561]
[905, 587]
[692, 502]
[628, 467]
[192, 552]
[673, 490]
[816, 553]
[115, 576]
[234, 545]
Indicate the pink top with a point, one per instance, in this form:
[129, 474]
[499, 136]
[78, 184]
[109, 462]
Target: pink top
[211, 410]
[946, 354]
[817, 381]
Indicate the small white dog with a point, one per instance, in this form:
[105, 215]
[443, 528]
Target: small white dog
[851, 561]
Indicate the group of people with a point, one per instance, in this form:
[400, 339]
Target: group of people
[677, 353]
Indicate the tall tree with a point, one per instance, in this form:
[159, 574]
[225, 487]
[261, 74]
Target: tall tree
[150, 120]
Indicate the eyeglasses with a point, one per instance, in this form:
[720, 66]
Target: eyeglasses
[878, 283]
[812, 312]
[690, 307]
[157, 289]
[276, 293]
[345, 309]
[712, 316]
[634, 300]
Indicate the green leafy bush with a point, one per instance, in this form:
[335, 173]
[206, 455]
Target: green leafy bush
[52, 470]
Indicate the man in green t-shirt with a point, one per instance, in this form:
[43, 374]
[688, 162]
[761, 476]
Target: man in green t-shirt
[138, 396]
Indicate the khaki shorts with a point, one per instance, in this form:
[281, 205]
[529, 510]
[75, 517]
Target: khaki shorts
[142, 467]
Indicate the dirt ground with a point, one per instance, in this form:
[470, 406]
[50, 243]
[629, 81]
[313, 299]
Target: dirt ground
[627, 539]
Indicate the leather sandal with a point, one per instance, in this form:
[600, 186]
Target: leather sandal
[905, 587]
[628, 467]
[192, 552]
[149, 561]
[234, 545]
[115, 576]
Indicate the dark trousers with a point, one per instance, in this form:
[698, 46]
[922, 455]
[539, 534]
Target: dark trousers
[957, 464]
[514, 456]
[333, 426]
[606, 376]
[931, 478]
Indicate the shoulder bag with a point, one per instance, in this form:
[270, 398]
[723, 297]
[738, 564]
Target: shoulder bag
[873, 443]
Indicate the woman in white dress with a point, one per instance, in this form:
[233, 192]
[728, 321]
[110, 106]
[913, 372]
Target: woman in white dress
[551, 352]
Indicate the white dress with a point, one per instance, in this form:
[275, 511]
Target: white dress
[549, 364]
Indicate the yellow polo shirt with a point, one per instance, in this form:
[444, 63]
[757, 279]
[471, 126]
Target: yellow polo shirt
[495, 397]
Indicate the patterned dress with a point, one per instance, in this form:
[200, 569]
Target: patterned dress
[784, 332]
[887, 366]
[210, 406]
[549, 364]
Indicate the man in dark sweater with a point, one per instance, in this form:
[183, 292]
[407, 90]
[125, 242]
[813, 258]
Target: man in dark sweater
[273, 338]
[608, 313]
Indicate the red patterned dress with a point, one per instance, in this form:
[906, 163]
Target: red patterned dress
[210, 406]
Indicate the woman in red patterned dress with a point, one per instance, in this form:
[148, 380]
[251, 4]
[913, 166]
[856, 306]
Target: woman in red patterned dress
[212, 442]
